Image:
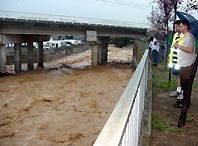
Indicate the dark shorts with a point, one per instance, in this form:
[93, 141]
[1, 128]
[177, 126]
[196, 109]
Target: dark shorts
[175, 72]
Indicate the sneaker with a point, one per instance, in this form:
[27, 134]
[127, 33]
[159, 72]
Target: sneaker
[179, 101]
[174, 94]
[180, 96]
[179, 105]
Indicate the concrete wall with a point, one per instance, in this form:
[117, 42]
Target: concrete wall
[51, 54]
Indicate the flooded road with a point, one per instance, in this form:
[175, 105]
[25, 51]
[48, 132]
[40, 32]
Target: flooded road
[65, 104]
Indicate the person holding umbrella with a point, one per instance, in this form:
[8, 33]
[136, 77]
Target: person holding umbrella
[186, 58]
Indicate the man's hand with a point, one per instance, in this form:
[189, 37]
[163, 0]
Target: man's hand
[176, 45]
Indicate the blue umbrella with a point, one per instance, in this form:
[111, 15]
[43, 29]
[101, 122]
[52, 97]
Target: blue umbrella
[193, 22]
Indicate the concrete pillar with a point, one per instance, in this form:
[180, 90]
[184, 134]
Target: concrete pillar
[3, 67]
[103, 50]
[99, 43]
[40, 57]
[30, 55]
[99, 51]
[94, 54]
[104, 56]
[17, 57]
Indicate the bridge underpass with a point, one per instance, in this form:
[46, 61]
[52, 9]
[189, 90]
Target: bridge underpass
[19, 31]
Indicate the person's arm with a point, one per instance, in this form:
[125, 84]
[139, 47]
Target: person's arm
[186, 49]
[189, 45]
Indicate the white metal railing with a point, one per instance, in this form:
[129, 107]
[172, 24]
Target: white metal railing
[123, 126]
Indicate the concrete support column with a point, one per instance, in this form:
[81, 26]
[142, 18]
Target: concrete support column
[30, 56]
[99, 43]
[3, 67]
[17, 57]
[94, 54]
[99, 51]
[103, 50]
[92, 39]
[40, 57]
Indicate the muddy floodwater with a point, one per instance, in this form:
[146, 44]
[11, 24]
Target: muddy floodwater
[65, 104]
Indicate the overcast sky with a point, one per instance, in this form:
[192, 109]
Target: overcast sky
[133, 11]
[120, 10]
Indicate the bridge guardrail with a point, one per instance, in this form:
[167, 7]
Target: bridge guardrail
[69, 19]
[124, 124]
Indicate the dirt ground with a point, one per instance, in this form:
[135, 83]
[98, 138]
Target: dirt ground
[65, 104]
[163, 106]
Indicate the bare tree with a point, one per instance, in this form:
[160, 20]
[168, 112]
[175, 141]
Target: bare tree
[161, 14]
[190, 5]
[165, 10]
[156, 19]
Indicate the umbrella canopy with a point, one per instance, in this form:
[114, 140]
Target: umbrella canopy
[194, 29]
[185, 16]
[159, 35]
[193, 22]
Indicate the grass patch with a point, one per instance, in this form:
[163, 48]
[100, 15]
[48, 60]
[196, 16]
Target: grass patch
[162, 84]
[189, 118]
[160, 79]
[195, 84]
[158, 124]
[160, 76]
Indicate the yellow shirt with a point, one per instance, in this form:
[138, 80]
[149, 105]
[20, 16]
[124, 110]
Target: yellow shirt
[175, 38]
[179, 40]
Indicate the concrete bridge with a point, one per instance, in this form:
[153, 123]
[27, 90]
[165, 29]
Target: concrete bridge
[29, 30]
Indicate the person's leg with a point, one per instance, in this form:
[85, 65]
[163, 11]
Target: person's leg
[184, 85]
[155, 57]
[185, 79]
[156, 61]
[178, 91]
[178, 84]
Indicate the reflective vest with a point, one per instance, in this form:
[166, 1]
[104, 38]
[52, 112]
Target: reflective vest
[173, 55]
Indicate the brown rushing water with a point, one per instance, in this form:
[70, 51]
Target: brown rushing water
[65, 104]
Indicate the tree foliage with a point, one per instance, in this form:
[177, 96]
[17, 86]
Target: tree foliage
[190, 5]
[121, 41]
[165, 11]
